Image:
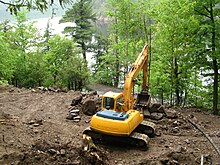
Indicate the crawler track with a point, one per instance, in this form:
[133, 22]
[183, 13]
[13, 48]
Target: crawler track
[136, 139]
[147, 128]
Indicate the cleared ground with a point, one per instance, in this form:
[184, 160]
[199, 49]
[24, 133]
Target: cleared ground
[34, 130]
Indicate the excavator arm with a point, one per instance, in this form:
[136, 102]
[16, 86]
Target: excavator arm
[140, 63]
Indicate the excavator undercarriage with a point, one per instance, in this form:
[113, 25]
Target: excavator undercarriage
[139, 138]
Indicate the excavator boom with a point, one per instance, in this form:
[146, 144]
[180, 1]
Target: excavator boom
[140, 63]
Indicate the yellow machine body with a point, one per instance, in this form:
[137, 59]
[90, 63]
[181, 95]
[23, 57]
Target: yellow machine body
[117, 127]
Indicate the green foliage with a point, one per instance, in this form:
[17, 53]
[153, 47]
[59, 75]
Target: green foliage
[128, 35]
[24, 64]
[24, 40]
[184, 49]
[7, 61]
[64, 64]
[75, 73]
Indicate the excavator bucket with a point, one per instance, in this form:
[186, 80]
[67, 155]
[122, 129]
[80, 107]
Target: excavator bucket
[143, 99]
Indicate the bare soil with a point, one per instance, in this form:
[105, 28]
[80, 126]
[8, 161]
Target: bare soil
[34, 130]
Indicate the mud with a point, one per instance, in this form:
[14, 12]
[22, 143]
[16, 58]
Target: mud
[34, 130]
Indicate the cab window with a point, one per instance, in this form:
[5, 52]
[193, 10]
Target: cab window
[108, 103]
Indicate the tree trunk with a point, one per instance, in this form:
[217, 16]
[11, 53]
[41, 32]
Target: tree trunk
[83, 46]
[215, 92]
[185, 98]
[116, 79]
[149, 64]
[214, 62]
[176, 81]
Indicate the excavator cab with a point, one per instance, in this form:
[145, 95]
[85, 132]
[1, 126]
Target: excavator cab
[111, 101]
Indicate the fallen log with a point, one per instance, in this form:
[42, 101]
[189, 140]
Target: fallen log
[206, 135]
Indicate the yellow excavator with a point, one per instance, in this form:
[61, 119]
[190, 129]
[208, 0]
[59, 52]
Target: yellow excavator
[121, 117]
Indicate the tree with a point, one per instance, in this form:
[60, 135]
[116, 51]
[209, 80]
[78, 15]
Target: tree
[15, 6]
[100, 48]
[174, 28]
[7, 55]
[208, 10]
[60, 49]
[127, 19]
[64, 64]
[82, 16]
[75, 74]
[25, 40]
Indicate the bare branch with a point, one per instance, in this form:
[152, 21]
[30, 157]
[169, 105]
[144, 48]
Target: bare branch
[207, 9]
[6, 3]
[200, 13]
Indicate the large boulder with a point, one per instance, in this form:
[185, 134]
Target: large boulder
[171, 114]
[89, 107]
[156, 107]
[156, 116]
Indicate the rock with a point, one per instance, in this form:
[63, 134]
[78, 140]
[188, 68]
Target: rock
[93, 93]
[35, 124]
[173, 162]
[33, 90]
[39, 121]
[74, 111]
[218, 133]
[70, 116]
[35, 130]
[164, 160]
[52, 151]
[74, 114]
[62, 152]
[146, 113]
[159, 108]
[41, 88]
[89, 107]
[77, 118]
[63, 89]
[76, 100]
[51, 89]
[175, 130]
[171, 114]
[187, 141]
[31, 122]
[156, 116]
[176, 123]
[180, 149]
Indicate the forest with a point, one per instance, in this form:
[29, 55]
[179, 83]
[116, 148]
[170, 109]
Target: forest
[183, 38]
